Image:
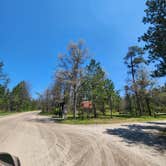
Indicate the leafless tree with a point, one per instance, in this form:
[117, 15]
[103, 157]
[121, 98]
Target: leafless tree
[71, 70]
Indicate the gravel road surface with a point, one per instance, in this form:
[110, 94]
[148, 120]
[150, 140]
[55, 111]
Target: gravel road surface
[38, 141]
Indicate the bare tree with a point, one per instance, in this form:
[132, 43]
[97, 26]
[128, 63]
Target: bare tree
[71, 69]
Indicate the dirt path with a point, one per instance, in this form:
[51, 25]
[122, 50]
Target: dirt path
[37, 141]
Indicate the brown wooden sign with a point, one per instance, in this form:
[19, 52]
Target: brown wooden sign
[86, 104]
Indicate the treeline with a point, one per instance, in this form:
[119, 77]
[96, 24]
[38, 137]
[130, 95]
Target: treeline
[17, 99]
[79, 78]
[141, 94]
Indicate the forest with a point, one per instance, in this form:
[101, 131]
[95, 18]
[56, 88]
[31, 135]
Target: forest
[79, 78]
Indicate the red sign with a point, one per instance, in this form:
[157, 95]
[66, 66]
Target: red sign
[86, 104]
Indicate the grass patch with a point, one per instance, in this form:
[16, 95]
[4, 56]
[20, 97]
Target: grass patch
[46, 113]
[2, 113]
[5, 113]
[115, 119]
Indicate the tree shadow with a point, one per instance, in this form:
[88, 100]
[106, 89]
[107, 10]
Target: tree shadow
[41, 120]
[142, 134]
[145, 127]
[157, 123]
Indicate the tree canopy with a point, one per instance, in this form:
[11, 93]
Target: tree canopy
[155, 37]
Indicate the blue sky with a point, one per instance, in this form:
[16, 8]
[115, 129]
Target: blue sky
[33, 32]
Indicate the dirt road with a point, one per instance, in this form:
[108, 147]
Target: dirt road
[37, 141]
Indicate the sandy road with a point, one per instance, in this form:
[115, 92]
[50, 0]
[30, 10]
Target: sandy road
[37, 141]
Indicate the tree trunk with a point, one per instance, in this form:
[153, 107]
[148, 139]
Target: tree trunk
[135, 87]
[111, 108]
[94, 110]
[148, 106]
[111, 112]
[74, 103]
[130, 105]
[138, 104]
[103, 109]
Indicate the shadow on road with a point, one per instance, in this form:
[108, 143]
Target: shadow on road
[41, 120]
[158, 123]
[153, 135]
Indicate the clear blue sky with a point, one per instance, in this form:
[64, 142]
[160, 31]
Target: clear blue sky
[33, 32]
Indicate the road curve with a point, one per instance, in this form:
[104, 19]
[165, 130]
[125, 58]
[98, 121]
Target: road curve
[37, 141]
